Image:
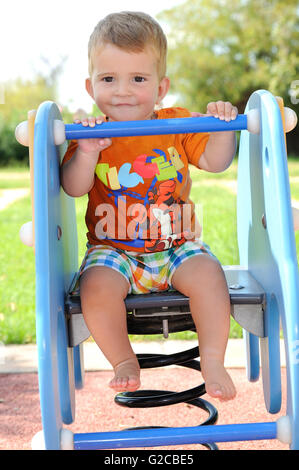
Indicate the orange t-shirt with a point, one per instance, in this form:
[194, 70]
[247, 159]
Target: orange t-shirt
[140, 198]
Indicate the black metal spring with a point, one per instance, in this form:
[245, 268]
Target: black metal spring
[155, 398]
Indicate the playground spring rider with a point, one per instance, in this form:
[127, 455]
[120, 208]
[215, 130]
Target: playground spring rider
[264, 289]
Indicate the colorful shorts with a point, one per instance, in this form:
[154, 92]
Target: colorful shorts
[145, 272]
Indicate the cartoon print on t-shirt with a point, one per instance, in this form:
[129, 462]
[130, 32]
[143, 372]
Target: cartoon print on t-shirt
[164, 213]
[158, 211]
[144, 167]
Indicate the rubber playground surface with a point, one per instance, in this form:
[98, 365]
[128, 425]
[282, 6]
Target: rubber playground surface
[96, 411]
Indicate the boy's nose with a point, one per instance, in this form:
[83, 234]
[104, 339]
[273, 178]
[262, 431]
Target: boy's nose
[123, 88]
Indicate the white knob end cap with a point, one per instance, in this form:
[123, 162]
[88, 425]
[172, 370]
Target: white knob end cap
[59, 131]
[38, 441]
[26, 234]
[253, 121]
[21, 133]
[290, 118]
[284, 431]
[66, 439]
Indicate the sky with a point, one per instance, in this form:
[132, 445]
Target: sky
[31, 30]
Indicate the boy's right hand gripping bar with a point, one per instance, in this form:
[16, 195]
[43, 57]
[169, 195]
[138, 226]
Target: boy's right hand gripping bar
[249, 121]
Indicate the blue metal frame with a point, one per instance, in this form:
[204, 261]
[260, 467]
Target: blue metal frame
[267, 248]
[56, 263]
[175, 436]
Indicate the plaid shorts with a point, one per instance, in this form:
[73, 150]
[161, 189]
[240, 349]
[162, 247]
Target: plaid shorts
[145, 272]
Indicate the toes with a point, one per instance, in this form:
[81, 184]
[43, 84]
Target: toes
[118, 383]
[215, 390]
[222, 392]
[122, 384]
[133, 384]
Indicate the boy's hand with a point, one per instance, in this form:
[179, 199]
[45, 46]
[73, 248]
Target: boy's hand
[92, 146]
[220, 109]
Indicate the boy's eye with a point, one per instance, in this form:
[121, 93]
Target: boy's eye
[139, 79]
[108, 79]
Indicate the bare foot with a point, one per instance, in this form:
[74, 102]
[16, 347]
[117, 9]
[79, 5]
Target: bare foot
[218, 382]
[127, 376]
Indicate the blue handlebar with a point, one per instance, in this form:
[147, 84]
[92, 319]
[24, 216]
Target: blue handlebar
[154, 127]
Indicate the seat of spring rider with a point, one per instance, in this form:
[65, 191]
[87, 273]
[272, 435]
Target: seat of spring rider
[168, 311]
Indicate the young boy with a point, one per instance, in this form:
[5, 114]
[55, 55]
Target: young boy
[138, 190]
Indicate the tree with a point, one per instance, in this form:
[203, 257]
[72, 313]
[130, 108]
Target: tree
[226, 49]
[19, 97]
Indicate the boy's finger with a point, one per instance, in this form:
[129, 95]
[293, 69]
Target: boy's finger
[212, 109]
[221, 109]
[100, 119]
[234, 113]
[231, 112]
[228, 107]
[91, 121]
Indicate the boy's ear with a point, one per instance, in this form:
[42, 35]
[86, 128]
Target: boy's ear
[163, 89]
[89, 88]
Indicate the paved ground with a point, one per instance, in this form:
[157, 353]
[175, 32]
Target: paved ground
[96, 410]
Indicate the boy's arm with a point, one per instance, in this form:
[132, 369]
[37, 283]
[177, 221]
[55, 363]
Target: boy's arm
[219, 152]
[221, 146]
[77, 174]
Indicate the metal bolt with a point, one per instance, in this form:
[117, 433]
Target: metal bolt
[236, 286]
[264, 221]
[59, 232]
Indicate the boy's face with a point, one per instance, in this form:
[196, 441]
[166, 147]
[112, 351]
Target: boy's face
[125, 85]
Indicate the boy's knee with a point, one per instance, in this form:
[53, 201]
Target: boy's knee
[210, 265]
[209, 270]
[103, 281]
[196, 271]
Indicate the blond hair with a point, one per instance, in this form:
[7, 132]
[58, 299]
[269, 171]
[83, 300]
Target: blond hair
[133, 32]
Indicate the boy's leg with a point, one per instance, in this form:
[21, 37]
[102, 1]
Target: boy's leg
[201, 278]
[103, 291]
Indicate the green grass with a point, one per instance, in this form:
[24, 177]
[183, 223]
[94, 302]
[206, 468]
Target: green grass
[11, 178]
[17, 271]
[17, 279]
